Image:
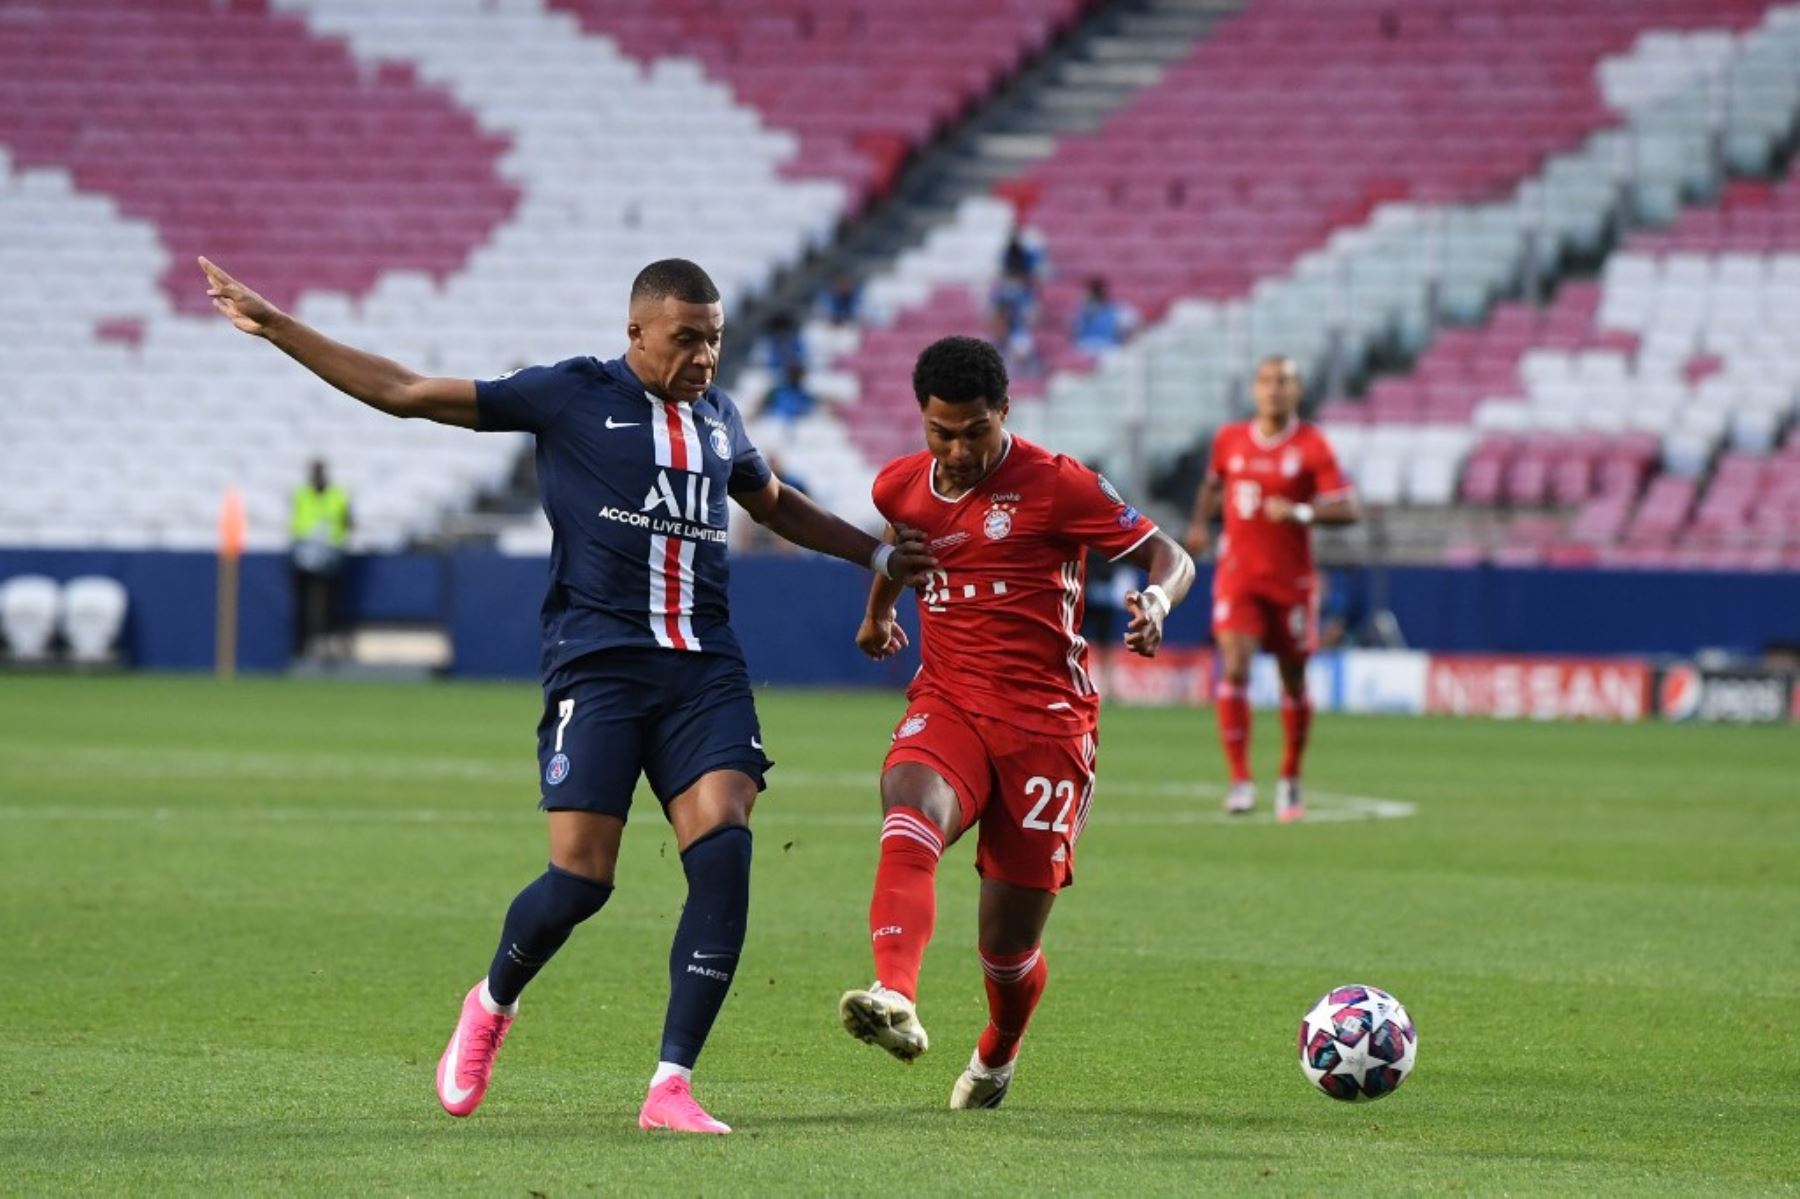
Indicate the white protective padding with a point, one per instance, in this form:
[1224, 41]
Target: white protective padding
[93, 616]
[28, 610]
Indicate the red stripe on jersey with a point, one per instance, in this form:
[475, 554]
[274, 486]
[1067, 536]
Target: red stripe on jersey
[678, 455]
[672, 592]
[678, 459]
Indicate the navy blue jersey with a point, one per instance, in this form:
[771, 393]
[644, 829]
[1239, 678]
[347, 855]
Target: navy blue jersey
[635, 489]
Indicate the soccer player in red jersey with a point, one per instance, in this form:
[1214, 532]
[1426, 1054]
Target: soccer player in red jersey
[1275, 477]
[999, 729]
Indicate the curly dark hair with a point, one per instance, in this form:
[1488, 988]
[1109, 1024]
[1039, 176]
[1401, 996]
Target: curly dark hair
[674, 277]
[960, 370]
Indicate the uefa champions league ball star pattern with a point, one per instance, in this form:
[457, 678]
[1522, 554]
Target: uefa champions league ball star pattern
[1357, 1043]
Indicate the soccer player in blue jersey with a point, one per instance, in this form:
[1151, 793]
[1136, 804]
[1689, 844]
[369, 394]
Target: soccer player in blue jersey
[635, 459]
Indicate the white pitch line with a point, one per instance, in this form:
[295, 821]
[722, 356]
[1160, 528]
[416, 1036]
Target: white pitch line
[1334, 810]
[1324, 807]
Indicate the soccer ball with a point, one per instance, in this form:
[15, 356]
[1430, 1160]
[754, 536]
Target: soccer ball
[1357, 1043]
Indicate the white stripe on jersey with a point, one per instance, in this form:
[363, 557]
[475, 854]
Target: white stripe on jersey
[1071, 583]
[687, 595]
[691, 436]
[659, 432]
[659, 591]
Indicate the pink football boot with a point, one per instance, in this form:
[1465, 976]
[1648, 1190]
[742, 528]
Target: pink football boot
[468, 1061]
[671, 1104]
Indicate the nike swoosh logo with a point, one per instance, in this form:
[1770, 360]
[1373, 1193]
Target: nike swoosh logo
[707, 957]
[621, 424]
[452, 1092]
[756, 743]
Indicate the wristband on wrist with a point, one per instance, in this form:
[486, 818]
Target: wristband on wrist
[878, 561]
[1303, 513]
[1156, 595]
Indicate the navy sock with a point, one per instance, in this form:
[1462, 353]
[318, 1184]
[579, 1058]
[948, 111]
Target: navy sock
[708, 939]
[540, 919]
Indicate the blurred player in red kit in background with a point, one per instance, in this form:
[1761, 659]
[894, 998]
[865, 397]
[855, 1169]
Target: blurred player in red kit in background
[1275, 476]
[999, 729]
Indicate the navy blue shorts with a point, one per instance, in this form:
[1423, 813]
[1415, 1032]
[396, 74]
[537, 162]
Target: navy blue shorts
[669, 715]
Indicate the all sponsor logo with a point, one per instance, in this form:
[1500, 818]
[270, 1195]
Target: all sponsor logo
[1538, 688]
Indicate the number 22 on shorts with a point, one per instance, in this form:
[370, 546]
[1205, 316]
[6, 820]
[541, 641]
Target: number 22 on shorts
[1045, 790]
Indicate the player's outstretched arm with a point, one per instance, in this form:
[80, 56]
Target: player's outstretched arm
[791, 516]
[881, 635]
[1171, 573]
[378, 382]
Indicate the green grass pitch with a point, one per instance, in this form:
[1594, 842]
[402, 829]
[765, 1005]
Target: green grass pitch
[236, 922]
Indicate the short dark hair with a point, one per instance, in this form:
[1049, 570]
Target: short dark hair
[959, 370]
[675, 277]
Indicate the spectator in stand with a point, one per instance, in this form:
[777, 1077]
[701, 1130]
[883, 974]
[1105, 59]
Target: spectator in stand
[1024, 256]
[790, 399]
[1012, 314]
[840, 303]
[783, 344]
[1101, 322]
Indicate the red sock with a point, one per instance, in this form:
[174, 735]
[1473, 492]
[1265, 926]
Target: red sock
[1296, 722]
[1015, 983]
[1234, 728]
[903, 910]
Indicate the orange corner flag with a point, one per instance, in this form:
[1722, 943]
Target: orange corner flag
[233, 528]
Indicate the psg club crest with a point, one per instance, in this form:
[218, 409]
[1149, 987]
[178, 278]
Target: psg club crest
[910, 725]
[721, 444]
[1109, 491]
[558, 770]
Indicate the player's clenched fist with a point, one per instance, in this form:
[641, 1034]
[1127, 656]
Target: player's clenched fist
[1144, 634]
[239, 305]
[881, 638]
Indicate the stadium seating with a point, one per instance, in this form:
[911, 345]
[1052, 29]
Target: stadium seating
[1679, 358]
[465, 186]
[860, 81]
[1325, 253]
[93, 614]
[29, 606]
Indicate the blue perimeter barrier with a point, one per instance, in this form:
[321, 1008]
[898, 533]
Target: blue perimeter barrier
[796, 616]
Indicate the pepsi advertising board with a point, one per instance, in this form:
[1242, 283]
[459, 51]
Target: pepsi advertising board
[1747, 696]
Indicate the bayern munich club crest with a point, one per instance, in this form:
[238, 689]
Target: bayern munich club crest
[997, 523]
[558, 770]
[721, 444]
[912, 724]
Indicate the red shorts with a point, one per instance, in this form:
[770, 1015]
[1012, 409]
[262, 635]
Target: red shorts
[1029, 792]
[1286, 625]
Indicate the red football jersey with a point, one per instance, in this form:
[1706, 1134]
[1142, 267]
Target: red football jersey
[1001, 618]
[1258, 553]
